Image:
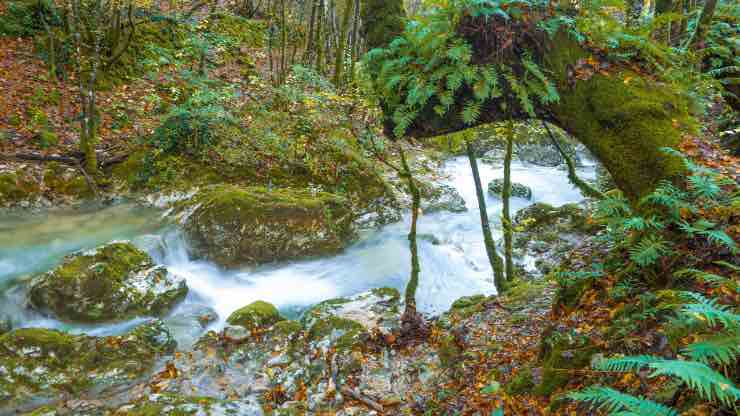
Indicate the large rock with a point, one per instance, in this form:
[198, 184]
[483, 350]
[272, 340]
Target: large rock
[440, 197]
[234, 225]
[42, 365]
[496, 188]
[113, 282]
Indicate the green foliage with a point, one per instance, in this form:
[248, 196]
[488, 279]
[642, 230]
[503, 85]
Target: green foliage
[429, 65]
[616, 403]
[26, 17]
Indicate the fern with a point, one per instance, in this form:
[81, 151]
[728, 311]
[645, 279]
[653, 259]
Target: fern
[702, 276]
[709, 311]
[710, 384]
[648, 250]
[720, 349]
[618, 403]
[471, 112]
[625, 364]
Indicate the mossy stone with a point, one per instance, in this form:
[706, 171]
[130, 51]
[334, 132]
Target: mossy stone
[562, 351]
[256, 315]
[234, 225]
[39, 363]
[496, 188]
[114, 282]
[344, 334]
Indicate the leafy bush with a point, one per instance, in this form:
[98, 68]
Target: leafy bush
[26, 17]
[649, 243]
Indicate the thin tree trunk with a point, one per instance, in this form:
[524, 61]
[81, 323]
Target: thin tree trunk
[497, 264]
[633, 14]
[413, 283]
[506, 197]
[355, 43]
[320, 39]
[583, 186]
[702, 26]
[342, 46]
[309, 36]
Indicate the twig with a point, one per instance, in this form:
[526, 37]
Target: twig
[40, 158]
[355, 394]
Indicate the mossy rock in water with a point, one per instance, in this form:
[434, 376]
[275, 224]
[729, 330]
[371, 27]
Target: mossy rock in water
[65, 181]
[113, 282]
[496, 188]
[234, 225]
[170, 404]
[440, 197]
[39, 365]
[256, 315]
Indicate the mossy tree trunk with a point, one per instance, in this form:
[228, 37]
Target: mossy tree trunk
[622, 117]
[410, 313]
[506, 197]
[702, 27]
[497, 265]
[342, 46]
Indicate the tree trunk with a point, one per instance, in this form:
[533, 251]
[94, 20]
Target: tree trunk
[583, 186]
[413, 283]
[633, 12]
[497, 264]
[342, 46]
[702, 27]
[506, 197]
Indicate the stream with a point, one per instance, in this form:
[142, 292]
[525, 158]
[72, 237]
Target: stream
[452, 255]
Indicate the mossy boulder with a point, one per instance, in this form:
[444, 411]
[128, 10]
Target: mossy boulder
[440, 197]
[113, 282]
[256, 315]
[234, 225]
[16, 187]
[346, 322]
[66, 181]
[496, 188]
[42, 365]
[561, 351]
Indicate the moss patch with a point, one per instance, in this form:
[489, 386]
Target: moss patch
[256, 315]
[234, 225]
[114, 282]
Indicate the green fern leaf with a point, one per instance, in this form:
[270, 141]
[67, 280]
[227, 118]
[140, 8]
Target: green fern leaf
[722, 349]
[617, 403]
[708, 383]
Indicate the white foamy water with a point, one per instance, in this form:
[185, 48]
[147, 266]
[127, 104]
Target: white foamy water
[453, 263]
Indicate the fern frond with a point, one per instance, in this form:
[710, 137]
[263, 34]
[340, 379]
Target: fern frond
[721, 349]
[624, 364]
[617, 403]
[708, 383]
[709, 311]
[648, 250]
[702, 276]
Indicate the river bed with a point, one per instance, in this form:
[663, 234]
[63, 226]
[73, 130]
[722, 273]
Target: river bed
[452, 255]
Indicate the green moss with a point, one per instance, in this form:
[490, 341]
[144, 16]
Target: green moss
[349, 332]
[287, 328]
[256, 315]
[523, 292]
[562, 352]
[94, 286]
[521, 383]
[283, 224]
[449, 352]
[58, 180]
[16, 187]
[622, 118]
[387, 292]
[249, 33]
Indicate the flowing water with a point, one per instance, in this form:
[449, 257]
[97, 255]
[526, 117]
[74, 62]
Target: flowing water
[452, 255]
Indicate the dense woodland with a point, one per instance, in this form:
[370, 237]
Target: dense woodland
[300, 149]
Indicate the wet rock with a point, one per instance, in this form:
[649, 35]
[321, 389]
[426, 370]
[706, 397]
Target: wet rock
[114, 282]
[496, 188]
[546, 233]
[188, 322]
[41, 365]
[176, 405]
[234, 225]
[256, 315]
[6, 324]
[375, 310]
[440, 197]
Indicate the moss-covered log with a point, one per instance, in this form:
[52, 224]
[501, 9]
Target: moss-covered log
[621, 116]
